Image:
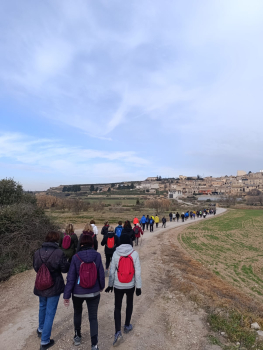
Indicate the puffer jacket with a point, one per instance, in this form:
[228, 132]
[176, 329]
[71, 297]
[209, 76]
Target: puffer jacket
[104, 242]
[73, 246]
[92, 234]
[125, 250]
[72, 287]
[56, 262]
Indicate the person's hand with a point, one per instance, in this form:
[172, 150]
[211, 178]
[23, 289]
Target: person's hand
[109, 289]
[138, 291]
[66, 302]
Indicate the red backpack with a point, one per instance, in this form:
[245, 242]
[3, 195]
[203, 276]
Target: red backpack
[110, 242]
[66, 243]
[87, 274]
[126, 269]
[44, 279]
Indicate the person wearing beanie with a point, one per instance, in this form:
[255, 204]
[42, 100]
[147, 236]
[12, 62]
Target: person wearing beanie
[119, 260]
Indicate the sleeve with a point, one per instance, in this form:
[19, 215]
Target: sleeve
[78, 245]
[113, 267]
[133, 236]
[137, 266]
[103, 242]
[60, 240]
[64, 264]
[35, 264]
[95, 243]
[101, 274]
[76, 241]
[71, 279]
[117, 241]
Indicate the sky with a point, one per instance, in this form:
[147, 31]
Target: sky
[107, 91]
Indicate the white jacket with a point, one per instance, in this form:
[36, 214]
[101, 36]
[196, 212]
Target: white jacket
[95, 229]
[125, 250]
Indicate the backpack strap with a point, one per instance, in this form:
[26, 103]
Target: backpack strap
[79, 258]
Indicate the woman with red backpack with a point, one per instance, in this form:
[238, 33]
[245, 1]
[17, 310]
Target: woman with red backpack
[110, 241]
[85, 281]
[68, 242]
[125, 275]
[88, 230]
[138, 232]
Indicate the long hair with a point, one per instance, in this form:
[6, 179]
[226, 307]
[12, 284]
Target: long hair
[69, 229]
[127, 224]
[88, 228]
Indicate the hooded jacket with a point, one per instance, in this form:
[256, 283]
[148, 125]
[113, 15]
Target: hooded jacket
[104, 229]
[125, 250]
[73, 246]
[72, 287]
[95, 229]
[94, 239]
[143, 220]
[130, 233]
[56, 262]
[104, 242]
[156, 219]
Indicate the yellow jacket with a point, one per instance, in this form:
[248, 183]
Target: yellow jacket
[156, 219]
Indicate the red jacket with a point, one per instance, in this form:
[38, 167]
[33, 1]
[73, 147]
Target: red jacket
[140, 231]
[135, 221]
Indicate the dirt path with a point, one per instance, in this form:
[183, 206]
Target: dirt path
[162, 319]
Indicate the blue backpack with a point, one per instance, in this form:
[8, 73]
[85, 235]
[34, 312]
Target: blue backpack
[146, 220]
[151, 221]
[118, 231]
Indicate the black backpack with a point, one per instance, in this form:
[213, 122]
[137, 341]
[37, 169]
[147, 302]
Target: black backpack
[136, 230]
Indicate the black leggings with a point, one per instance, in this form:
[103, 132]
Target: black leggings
[151, 227]
[92, 304]
[119, 293]
[108, 260]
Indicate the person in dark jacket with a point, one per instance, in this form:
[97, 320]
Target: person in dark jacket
[56, 262]
[105, 228]
[91, 296]
[147, 222]
[88, 230]
[171, 216]
[182, 216]
[74, 242]
[127, 229]
[177, 216]
[164, 221]
[109, 251]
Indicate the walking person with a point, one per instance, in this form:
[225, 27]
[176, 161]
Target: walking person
[68, 242]
[157, 220]
[104, 229]
[147, 222]
[125, 276]
[164, 221]
[88, 230]
[127, 229]
[171, 216]
[182, 216]
[85, 281]
[135, 220]
[94, 227]
[177, 216]
[118, 229]
[151, 224]
[49, 262]
[138, 232]
[174, 216]
[143, 222]
[110, 241]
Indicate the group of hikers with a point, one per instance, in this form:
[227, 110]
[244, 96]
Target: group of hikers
[78, 257]
[65, 253]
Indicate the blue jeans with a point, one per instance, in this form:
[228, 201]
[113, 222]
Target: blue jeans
[47, 311]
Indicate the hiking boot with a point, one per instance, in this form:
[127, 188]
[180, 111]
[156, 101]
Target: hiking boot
[39, 334]
[94, 347]
[117, 338]
[127, 329]
[47, 346]
[77, 340]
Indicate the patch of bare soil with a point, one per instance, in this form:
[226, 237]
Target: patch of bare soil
[163, 316]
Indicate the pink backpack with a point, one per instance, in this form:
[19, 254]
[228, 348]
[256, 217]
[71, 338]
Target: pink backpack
[126, 269]
[66, 243]
[87, 274]
[44, 279]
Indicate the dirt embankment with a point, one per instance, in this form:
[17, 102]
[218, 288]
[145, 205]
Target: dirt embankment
[163, 316]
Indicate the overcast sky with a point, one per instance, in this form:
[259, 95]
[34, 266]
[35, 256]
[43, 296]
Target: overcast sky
[103, 91]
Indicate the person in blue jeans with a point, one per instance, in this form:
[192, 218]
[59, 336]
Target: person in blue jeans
[56, 262]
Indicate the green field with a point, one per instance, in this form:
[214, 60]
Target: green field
[232, 247]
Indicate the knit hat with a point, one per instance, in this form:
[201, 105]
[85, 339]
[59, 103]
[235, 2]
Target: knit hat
[125, 239]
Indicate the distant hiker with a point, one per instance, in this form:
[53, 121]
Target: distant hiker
[174, 216]
[193, 215]
[214, 211]
[104, 229]
[204, 214]
[182, 216]
[143, 222]
[157, 220]
[164, 222]
[177, 216]
[118, 229]
[151, 224]
[125, 275]
[200, 213]
[147, 222]
[110, 241]
[127, 229]
[68, 242]
[186, 215]
[49, 262]
[95, 228]
[138, 232]
[135, 221]
[171, 216]
[88, 230]
[85, 280]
